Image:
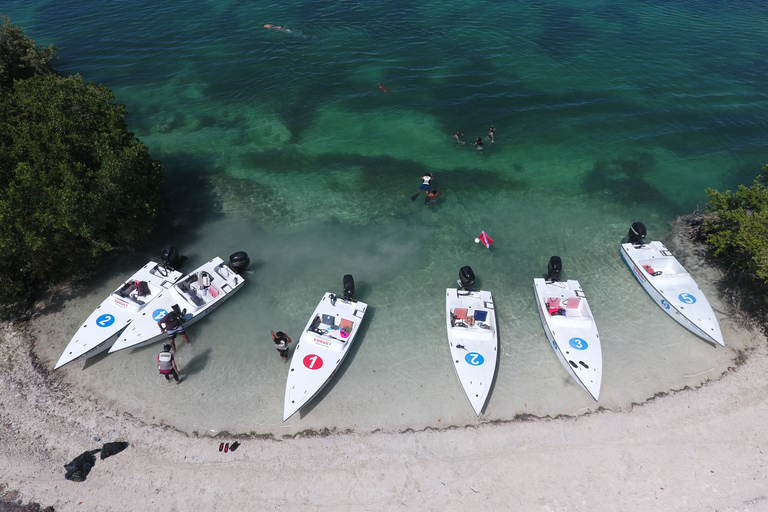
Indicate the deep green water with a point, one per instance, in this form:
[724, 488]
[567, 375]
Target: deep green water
[281, 144]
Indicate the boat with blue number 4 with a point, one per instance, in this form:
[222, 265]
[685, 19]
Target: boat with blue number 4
[570, 327]
[102, 328]
[193, 297]
[472, 337]
[670, 285]
[323, 345]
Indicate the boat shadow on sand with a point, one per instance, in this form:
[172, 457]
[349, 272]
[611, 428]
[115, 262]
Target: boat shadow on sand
[370, 313]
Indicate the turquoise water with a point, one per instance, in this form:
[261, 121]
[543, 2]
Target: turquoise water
[281, 144]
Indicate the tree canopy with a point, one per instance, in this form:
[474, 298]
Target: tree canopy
[74, 182]
[737, 225]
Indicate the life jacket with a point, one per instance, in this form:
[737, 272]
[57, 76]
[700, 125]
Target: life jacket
[142, 288]
[165, 360]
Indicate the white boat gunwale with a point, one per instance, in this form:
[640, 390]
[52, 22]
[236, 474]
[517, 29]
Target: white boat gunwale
[574, 329]
[473, 348]
[321, 342]
[672, 288]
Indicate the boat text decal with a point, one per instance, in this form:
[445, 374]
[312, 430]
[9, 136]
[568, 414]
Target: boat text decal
[313, 361]
[105, 320]
[578, 343]
[474, 359]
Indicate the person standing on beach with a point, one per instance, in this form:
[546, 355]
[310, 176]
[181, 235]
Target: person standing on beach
[281, 343]
[166, 364]
[173, 324]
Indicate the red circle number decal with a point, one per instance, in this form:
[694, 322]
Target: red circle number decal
[313, 362]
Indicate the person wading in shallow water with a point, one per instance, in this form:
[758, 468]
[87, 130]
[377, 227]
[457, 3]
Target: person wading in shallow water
[173, 324]
[166, 364]
[281, 344]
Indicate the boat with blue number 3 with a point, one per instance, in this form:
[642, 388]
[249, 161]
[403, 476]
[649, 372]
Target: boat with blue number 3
[670, 285]
[570, 327]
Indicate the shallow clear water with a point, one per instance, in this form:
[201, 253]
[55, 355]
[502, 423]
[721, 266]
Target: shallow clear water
[281, 144]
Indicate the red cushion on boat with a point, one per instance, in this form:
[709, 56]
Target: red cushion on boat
[460, 313]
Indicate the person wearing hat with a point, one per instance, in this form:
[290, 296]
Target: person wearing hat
[281, 344]
[166, 364]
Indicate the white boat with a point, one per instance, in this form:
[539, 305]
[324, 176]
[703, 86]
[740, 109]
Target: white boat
[670, 285]
[570, 328]
[107, 321]
[323, 345]
[472, 336]
[199, 293]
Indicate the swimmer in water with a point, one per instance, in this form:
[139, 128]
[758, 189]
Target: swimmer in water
[458, 137]
[479, 143]
[275, 27]
[383, 88]
[491, 131]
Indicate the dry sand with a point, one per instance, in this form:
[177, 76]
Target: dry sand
[692, 449]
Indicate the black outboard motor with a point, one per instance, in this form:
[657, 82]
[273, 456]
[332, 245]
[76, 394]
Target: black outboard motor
[554, 268]
[637, 233]
[466, 277]
[349, 287]
[170, 257]
[239, 261]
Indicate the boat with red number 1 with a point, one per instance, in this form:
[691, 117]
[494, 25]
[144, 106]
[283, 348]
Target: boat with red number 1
[323, 345]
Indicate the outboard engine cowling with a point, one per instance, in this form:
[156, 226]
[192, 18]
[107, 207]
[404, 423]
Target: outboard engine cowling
[637, 233]
[554, 268]
[467, 277]
[239, 261]
[349, 286]
[170, 257]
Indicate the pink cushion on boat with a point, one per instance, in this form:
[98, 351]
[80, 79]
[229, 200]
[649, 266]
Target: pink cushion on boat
[346, 323]
[573, 303]
[553, 304]
[460, 313]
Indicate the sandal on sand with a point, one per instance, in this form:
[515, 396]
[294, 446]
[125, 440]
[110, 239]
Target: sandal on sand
[221, 446]
[234, 446]
[226, 448]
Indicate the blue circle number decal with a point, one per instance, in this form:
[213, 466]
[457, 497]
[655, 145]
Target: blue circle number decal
[105, 320]
[687, 298]
[578, 343]
[665, 303]
[158, 314]
[474, 359]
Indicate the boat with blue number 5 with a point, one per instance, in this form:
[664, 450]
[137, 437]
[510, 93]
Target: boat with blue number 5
[670, 285]
[472, 336]
[570, 327]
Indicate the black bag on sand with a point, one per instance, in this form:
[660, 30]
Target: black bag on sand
[110, 449]
[78, 469]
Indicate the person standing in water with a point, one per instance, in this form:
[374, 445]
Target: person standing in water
[281, 343]
[491, 131]
[479, 143]
[166, 364]
[458, 137]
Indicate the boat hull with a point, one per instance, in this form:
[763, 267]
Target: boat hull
[573, 336]
[321, 349]
[673, 289]
[102, 328]
[474, 348]
[186, 294]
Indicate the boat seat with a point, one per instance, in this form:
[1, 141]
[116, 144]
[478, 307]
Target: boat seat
[553, 304]
[573, 303]
[328, 320]
[460, 313]
[480, 316]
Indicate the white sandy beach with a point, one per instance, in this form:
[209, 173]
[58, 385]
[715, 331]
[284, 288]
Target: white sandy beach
[690, 449]
[697, 450]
